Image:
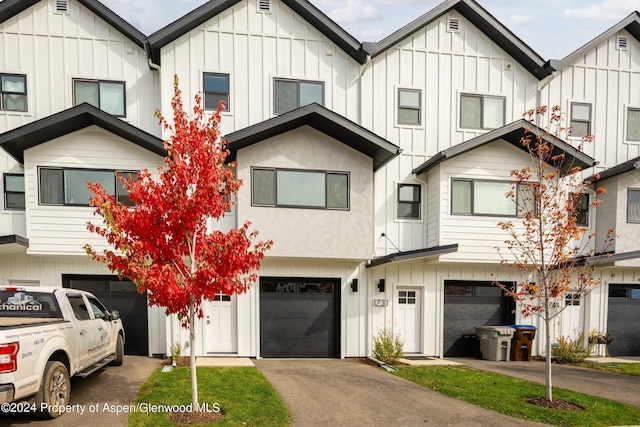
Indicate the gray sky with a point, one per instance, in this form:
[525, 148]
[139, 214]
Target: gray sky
[553, 28]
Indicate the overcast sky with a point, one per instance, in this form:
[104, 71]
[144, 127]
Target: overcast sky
[553, 28]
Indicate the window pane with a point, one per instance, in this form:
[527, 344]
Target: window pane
[286, 96]
[409, 98]
[14, 183]
[461, 197]
[408, 116]
[409, 193]
[489, 198]
[581, 112]
[112, 98]
[633, 206]
[526, 198]
[310, 93]
[15, 201]
[337, 191]
[301, 188]
[470, 111]
[75, 182]
[86, 92]
[14, 84]
[408, 210]
[264, 187]
[51, 186]
[580, 128]
[216, 89]
[633, 124]
[493, 113]
[13, 102]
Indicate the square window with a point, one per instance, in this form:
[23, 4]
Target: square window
[481, 111]
[14, 192]
[408, 201]
[580, 119]
[291, 94]
[633, 205]
[109, 96]
[216, 89]
[409, 112]
[633, 124]
[13, 91]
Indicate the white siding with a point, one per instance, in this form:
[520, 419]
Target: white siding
[62, 230]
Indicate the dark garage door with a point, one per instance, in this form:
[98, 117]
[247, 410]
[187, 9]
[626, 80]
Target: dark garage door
[624, 320]
[298, 317]
[119, 295]
[467, 305]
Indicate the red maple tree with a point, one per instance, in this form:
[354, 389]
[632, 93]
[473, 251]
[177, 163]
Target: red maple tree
[164, 242]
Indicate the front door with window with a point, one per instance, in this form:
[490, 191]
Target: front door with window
[408, 316]
[220, 325]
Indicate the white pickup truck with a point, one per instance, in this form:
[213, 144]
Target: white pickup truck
[48, 335]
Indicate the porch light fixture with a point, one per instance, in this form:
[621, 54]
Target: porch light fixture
[381, 285]
[354, 285]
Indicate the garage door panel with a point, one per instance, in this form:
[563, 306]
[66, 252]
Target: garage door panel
[624, 320]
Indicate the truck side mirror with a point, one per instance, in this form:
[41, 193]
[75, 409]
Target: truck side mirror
[115, 315]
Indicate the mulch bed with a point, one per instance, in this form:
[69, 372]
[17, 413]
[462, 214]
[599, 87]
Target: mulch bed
[195, 418]
[553, 404]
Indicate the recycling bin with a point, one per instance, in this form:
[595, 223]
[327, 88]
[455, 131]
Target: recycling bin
[495, 342]
[522, 342]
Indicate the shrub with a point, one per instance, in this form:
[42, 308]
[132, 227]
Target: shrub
[571, 351]
[387, 346]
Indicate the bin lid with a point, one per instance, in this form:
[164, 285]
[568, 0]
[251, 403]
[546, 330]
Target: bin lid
[501, 330]
[523, 326]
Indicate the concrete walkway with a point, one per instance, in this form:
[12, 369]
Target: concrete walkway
[323, 392]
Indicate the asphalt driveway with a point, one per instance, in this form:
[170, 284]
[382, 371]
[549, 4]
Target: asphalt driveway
[322, 392]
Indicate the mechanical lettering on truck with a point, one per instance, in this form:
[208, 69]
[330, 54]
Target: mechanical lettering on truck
[20, 301]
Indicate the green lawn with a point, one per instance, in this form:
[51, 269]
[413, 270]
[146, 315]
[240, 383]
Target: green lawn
[506, 395]
[244, 395]
[618, 368]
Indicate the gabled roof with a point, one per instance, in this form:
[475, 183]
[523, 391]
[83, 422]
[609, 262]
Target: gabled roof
[513, 134]
[306, 10]
[631, 23]
[10, 8]
[485, 22]
[17, 140]
[434, 251]
[625, 167]
[323, 120]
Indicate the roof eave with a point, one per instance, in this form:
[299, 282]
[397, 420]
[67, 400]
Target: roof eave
[412, 255]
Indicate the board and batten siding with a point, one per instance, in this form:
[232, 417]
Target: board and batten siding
[442, 65]
[62, 230]
[608, 78]
[51, 49]
[254, 48]
[312, 233]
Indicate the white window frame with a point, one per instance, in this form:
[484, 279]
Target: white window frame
[272, 85]
[570, 117]
[625, 113]
[482, 96]
[4, 110]
[420, 108]
[227, 109]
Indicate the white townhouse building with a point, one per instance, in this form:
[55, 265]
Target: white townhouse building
[378, 169]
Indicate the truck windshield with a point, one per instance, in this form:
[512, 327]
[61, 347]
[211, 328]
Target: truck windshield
[27, 303]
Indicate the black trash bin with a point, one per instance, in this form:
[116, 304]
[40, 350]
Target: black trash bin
[522, 342]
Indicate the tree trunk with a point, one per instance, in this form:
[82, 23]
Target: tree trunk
[547, 327]
[192, 339]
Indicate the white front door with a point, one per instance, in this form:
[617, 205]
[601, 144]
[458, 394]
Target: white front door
[220, 325]
[408, 318]
[571, 317]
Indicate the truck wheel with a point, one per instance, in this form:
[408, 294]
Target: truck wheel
[55, 390]
[119, 352]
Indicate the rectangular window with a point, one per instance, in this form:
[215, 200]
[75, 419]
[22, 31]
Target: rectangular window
[633, 205]
[68, 187]
[408, 201]
[14, 191]
[481, 111]
[581, 209]
[470, 197]
[580, 119]
[216, 89]
[291, 94]
[109, 96]
[300, 188]
[409, 106]
[13, 88]
[633, 124]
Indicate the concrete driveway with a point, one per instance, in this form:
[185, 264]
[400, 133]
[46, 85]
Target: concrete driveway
[322, 392]
[113, 385]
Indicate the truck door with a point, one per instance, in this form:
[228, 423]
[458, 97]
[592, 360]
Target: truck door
[106, 329]
[85, 333]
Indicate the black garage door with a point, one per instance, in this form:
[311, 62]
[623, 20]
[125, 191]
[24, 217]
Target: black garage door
[623, 322]
[298, 317]
[467, 305]
[119, 295]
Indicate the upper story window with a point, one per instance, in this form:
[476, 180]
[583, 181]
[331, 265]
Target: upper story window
[581, 209]
[291, 94]
[14, 191]
[408, 201]
[580, 119]
[62, 186]
[109, 96]
[633, 124]
[409, 107]
[299, 188]
[216, 89]
[633, 205]
[478, 197]
[481, 111]
[13, 88]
